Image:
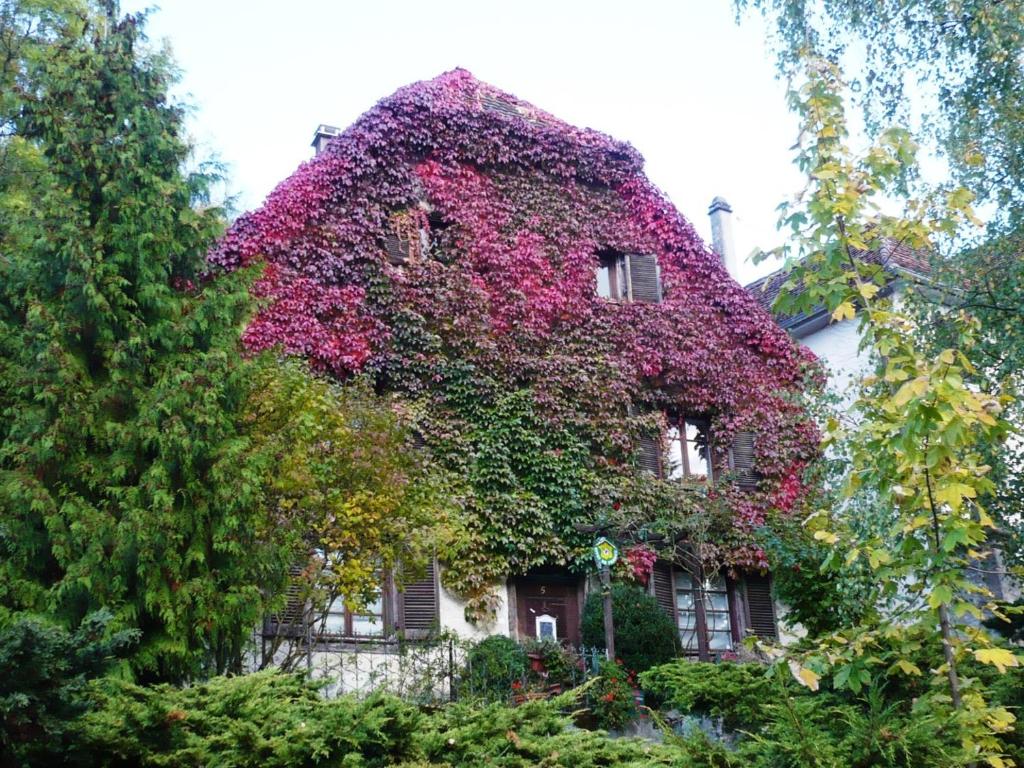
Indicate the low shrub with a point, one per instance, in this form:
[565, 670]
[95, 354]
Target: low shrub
[281, 721]
[734, 692]
[644, 634]
[491, 667]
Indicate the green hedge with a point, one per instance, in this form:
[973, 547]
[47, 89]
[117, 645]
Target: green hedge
[644, 634]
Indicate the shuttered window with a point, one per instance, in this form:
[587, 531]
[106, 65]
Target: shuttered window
[648, 456]
[663, 588]
[742, 459]
[689, 449]
[293, 619]
[418, 612]
[760, 606]
[396, 248]
[611, 276]
[644, 280]
[628, 277]
[341, 621]
[704, 615]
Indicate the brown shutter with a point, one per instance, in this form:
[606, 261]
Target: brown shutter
[418, 614]
[396, 248]
[649, 454]
[743, 459]
[292, 620]
[643, 278]
[664, 588]
[760, 606]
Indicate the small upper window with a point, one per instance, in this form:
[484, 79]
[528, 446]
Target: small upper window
[629, 277]
[689, 449]
[611, 278]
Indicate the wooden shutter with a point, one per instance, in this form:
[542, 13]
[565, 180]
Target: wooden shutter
[760, 606]
[292, 620]
[418, 614]
[649, 454]
[643, 278]
[664, 588]
[396, 248]
[743, 459]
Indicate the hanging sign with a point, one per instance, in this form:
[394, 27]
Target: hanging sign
[606, 554]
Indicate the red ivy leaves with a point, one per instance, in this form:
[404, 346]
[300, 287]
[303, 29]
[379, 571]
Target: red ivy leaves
[507, 289]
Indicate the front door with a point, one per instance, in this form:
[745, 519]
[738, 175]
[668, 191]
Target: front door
[548, 609]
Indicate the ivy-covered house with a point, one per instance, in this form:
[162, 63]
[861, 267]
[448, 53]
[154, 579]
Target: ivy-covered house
[572, 355]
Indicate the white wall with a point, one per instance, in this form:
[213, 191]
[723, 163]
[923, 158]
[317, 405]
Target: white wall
[836, 346]
[452, 612]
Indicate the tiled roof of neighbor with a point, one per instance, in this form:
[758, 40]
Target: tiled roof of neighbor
[895, 258]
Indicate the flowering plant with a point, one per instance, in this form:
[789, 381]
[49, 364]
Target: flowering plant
[613, 702]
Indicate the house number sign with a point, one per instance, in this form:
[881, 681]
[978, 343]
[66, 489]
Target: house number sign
[606, 554]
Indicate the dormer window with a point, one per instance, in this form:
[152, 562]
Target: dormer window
[688, 450]
[628, 277]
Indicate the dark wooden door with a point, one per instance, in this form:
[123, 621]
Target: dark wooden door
[539, 599]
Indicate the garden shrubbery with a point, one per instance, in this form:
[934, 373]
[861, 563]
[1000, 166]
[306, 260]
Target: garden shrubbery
[278, 720]
[644, 634]
[780, 724]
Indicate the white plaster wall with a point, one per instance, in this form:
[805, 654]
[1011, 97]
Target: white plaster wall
[452, 612]
[836, 346]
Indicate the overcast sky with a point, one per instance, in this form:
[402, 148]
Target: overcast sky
[694, 92]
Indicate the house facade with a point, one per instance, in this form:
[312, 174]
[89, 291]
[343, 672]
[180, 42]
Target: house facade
[572, 354]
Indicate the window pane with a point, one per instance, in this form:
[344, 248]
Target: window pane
[371, 621]
[674, 463]
[604, 282]
[716, 601]
[689, 641]
[715, 583]
[719, 641]
[334, 623]
[367, 625]
[696, 451]
[718, 621]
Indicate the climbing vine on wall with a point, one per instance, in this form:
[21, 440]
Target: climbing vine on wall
[532, 391]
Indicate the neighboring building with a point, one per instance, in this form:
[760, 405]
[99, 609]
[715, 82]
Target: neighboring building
[837, 344]
[486, 261]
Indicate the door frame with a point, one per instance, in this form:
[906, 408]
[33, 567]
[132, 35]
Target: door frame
[545, 575]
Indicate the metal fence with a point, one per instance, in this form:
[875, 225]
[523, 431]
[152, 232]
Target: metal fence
[447, 669]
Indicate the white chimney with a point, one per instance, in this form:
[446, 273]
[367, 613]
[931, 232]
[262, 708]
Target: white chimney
[324, 133]
[720, 213]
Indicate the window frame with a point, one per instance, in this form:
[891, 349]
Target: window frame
[680, 422]
[618, 275]
[700, 629]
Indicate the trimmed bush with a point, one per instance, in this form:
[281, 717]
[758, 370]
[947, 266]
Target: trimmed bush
[737, 693]
[492, 666]
[644, 635]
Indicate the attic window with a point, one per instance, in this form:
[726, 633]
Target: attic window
[628, 277]
[506, 107]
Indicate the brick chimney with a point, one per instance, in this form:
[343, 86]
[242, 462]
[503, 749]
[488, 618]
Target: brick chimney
[720, 213]
[324, 133]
